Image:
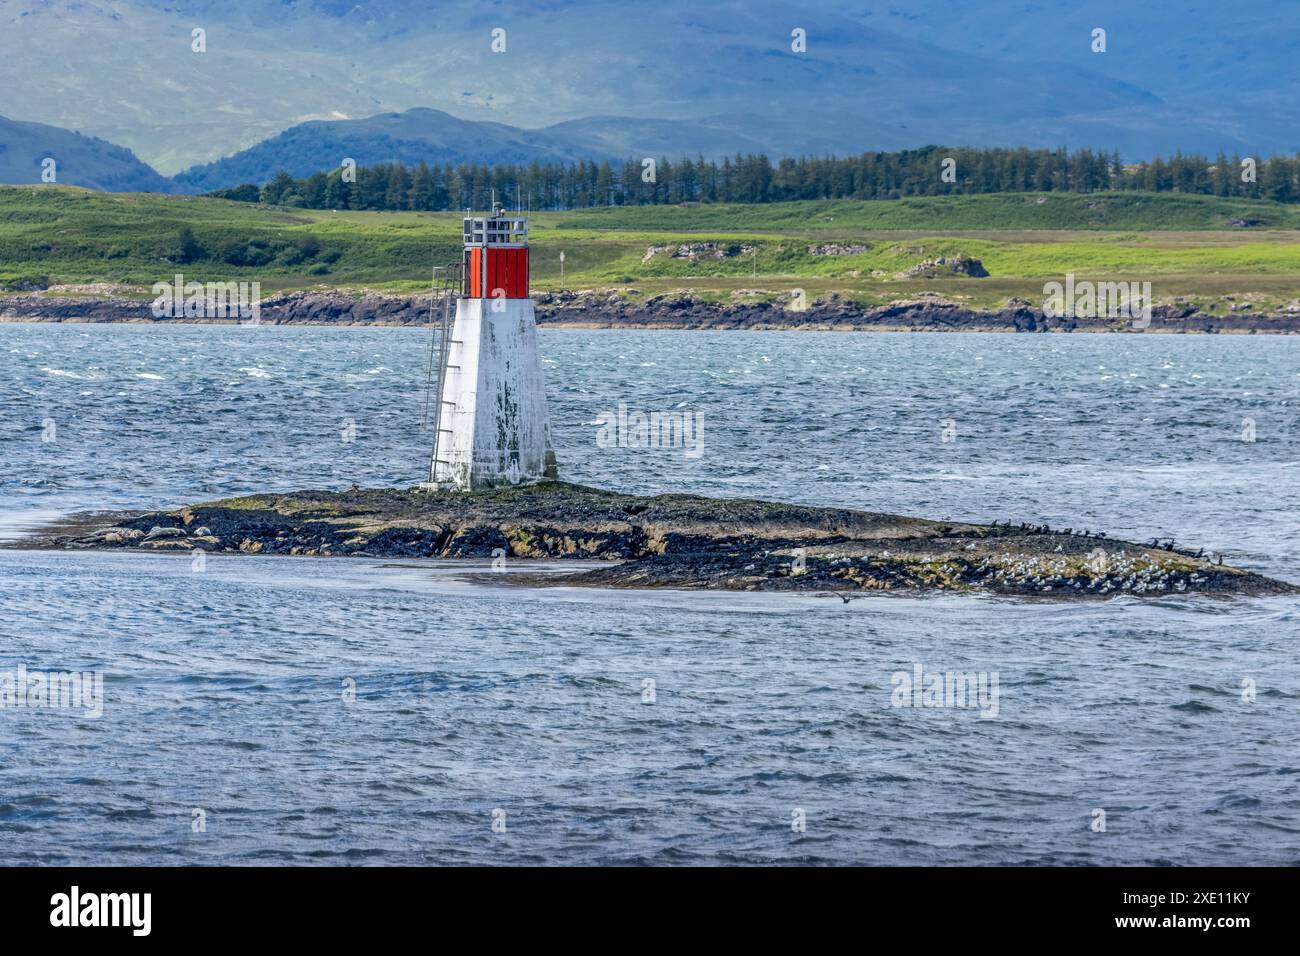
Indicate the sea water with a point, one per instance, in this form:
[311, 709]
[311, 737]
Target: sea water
[263, 709]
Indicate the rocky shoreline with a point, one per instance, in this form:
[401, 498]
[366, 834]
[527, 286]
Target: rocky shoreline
[675, 310]
[670, 541]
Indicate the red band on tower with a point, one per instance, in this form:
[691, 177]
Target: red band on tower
[496, 256]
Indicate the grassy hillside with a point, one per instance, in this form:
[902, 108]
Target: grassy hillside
[998, 211]
[1185, 245]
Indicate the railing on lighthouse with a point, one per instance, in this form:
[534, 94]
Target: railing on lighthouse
[447, 285]
[496, 256]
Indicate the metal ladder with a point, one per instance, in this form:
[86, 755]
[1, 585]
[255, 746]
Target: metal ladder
[442, 305]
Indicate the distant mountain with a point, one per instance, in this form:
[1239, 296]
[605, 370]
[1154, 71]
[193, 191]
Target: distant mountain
[624, 137]
[432, 136]
[78, 160]
[1198, 75]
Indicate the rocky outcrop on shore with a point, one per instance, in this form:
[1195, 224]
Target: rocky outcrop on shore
[673, 310]
[674, 541]
[943, 265]
[288, 308]
[925, 313]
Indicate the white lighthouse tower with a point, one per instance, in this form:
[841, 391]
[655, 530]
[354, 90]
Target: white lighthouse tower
[491, 423]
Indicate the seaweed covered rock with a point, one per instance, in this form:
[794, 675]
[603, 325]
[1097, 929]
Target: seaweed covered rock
[676, 541]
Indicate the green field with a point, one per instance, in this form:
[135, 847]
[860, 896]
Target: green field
[1186, 246]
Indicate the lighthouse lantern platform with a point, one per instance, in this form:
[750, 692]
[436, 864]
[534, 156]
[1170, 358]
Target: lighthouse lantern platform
[491, 420]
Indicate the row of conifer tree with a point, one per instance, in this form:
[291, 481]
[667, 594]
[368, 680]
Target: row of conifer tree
[931, 171]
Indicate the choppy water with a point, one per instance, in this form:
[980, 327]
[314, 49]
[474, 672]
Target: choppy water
[231, 690]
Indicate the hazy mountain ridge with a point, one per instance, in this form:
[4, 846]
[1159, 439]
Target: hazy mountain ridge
[1201, 77]
[432, 136]
[78, 160]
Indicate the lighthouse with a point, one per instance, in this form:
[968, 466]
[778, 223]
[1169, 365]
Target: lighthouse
[491, 422]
